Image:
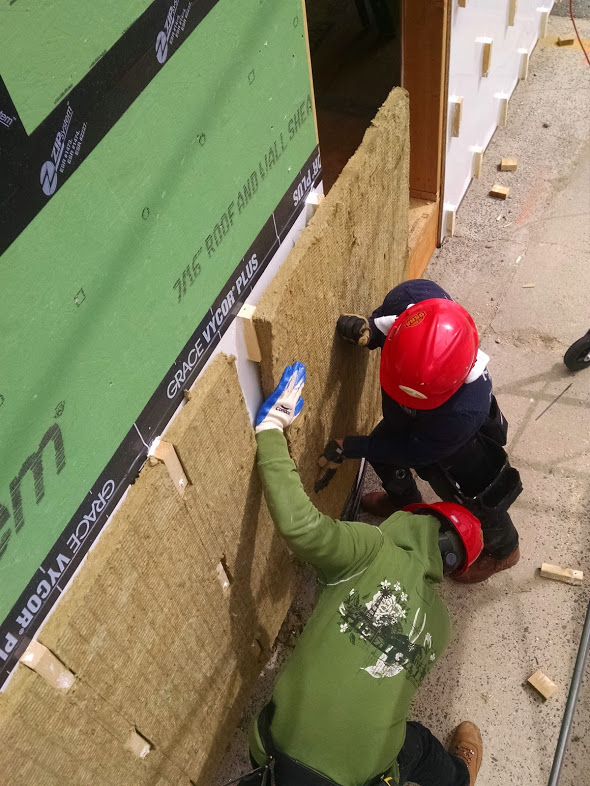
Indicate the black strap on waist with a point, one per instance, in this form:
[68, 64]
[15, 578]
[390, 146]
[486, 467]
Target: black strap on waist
[289, 771]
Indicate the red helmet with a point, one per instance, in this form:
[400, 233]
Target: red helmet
[428, 353]
[461, 521]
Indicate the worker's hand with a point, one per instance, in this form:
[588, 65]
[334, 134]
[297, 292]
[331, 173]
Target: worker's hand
[354, 329]
[282, 407]
[333, 453]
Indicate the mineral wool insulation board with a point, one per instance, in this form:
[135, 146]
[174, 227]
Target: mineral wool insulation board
[512, 27]
[153, 157]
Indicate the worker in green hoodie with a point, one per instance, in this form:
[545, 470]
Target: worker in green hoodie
[338, 714]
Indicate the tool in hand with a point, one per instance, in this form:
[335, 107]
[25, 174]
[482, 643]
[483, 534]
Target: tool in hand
[330, 460]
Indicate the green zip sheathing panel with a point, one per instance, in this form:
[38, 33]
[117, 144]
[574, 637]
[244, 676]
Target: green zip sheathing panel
[155, 641]
[150, 224]
[47, 47]
[351, 254]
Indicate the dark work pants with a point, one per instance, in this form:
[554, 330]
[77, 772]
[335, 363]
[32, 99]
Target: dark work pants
[424, 761]
[471, 468]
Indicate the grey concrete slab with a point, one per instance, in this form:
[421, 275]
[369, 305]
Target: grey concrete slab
[517, 622]
[581, 9]
[555, 308]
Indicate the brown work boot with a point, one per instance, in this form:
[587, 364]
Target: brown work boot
[379, 503]
[467, 746]
[486, 565]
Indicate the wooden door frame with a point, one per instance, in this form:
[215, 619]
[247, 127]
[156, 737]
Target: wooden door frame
[426, 28]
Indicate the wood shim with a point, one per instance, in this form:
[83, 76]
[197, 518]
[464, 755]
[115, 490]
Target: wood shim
[508, 165]
[543, 19]
[542, 684]
[154, 639]
[166, 453]
[486, 56]
[565, 41]
[498, 191]
[512, 7]
[245, 315]
[346, 260]
[477, 162]
[46, 665]
[524, 64]
[313, 201]
[137, 745]
[503, 111]
[450, 219]
[456, 112]
[567, 575]
[66, 739]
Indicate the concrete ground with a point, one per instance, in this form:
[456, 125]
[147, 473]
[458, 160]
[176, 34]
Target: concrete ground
[581, 8]
[522, 268]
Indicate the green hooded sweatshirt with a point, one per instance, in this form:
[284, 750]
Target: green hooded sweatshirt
[342, 699]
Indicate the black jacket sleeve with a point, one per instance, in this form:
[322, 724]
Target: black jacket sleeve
[417, 449]
[410, 438]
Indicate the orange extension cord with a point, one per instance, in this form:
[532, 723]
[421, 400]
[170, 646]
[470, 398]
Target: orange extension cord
[576, 29]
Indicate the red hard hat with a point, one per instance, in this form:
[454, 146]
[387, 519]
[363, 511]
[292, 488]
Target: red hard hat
[428, 353]
[465, 524]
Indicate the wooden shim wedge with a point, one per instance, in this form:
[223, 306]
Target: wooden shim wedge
[503, 115]
[543, 19]
[246, 314]
[567, 575]
[42, 661]
[450, 219]
[477, 162]
[499, 192]
[508, 165]
[542, 684]
[456, 112]
[137, 745]
[314, 200]
[512, 6]
[486, 55]
[524, 64]
[166, 453]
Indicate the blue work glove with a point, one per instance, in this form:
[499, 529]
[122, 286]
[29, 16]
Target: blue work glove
[282, 407]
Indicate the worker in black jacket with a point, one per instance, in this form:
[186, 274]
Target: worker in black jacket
[439, 416]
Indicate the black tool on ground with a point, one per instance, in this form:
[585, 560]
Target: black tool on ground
[555, 400]
[570, 707]
[578, 355]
